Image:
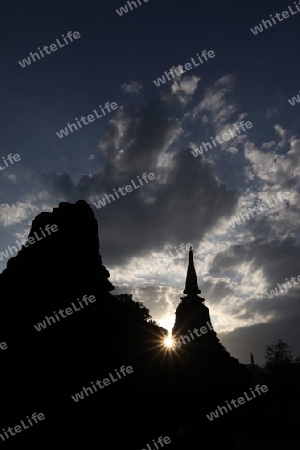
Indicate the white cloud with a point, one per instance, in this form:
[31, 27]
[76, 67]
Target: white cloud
[184, 88]
[12, 214]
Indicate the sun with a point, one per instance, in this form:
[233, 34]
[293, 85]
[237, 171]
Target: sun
[167, 322]
[169, 341]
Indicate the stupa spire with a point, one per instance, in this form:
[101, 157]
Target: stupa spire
[191, 284]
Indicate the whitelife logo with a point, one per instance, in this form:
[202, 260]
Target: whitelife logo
[10, 158]
[53, 48]
[160, 441]
[292, 101]
[31, 240]
[225, 136]
[281, 286]
[260, 209]
[124, 9]
[241, 401]
[168, 260]
[201, 330]
[106, 381]
[127, 188]
[187, 66]
[68, 311]
[285, 15]
[24, 426]
[108, 106]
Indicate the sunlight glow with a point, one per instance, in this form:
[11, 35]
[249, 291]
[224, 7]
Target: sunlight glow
[167, 322]
[169, 341]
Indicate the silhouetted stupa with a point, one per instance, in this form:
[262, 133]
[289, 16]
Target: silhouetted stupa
[200, 347]
[191, 312]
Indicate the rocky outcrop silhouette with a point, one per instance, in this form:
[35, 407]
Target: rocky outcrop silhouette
[42, 369]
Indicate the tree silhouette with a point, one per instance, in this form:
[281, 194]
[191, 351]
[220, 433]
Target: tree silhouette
[279, 353]
[137, 309]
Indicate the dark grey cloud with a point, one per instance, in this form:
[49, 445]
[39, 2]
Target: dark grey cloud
[180, 205]
[216, 292]
[279, 259]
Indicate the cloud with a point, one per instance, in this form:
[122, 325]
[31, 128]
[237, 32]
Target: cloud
[183, 89]
[15, 214]
[232, 150]
[272, 112]
[167, 211]
[135, 87]
[215, 103]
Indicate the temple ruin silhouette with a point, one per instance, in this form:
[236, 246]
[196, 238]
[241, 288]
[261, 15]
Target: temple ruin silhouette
[204, 352]
[42, 369]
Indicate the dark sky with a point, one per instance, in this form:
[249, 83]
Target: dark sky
[191, 200]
